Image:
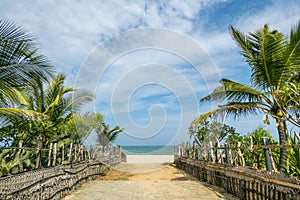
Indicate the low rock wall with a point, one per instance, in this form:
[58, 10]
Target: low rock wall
[243, 182]
[54, 182]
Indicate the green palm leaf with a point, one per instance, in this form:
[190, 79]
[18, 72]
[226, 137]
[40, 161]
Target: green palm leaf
[20, 63]
[234, 109]
[233, 91]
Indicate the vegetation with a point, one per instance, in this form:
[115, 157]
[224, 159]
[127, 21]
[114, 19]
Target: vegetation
[20, 63]
[255, 157]
[211, 131]
[105, 135]
[275, 66]
[36, 108]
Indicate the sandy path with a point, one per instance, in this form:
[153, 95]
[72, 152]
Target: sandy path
[146, 181]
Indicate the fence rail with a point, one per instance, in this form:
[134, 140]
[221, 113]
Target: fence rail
[54, 180]
[209, 165]
[245, 183]
[19, 159]
[234, 155]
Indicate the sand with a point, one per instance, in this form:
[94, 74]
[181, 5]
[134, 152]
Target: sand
[168, 182]
[150, 158]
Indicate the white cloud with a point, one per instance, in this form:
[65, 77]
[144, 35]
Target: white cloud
[281, 15]
[69, 30]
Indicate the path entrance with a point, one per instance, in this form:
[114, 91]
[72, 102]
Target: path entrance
[146, 181]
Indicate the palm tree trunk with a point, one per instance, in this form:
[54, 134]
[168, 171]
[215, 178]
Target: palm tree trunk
[281, 128]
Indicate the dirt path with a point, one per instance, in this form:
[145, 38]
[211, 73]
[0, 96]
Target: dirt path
[147, 181]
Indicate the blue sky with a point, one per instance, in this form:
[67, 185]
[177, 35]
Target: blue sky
[149, 81]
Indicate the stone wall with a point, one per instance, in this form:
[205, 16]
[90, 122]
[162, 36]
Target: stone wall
[243, 182]
[54, 182]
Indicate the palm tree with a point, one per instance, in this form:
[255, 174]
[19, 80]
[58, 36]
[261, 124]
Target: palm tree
[20, 62]
[56, 102]
[105, 136]
[274, 61]
[54, 106]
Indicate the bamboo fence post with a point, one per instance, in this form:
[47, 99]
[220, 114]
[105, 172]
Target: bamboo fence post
[75, 153]
[218, 160]
[70, 153]
[81, 152]
[49, 155]
[84, 153]
[241, 157]
[212, 151]
[78, 152]
[227, 154]
[254, 153]
[221, 155]
[38, 155]
[230, 154]
[20, 145]
[62, 153]
[272, 161]
[251, 143]
[54, 154]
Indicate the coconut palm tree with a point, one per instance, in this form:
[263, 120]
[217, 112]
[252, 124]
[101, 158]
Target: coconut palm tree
[56, 102]
[105, 135]
[54, 105]
[274, 60]
[20, 62]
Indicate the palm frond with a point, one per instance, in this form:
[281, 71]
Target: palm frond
[291, 57]
[20, 112]
[17, 50]
[234, 109]
[263, 52]
[20, 61]
[233, 91]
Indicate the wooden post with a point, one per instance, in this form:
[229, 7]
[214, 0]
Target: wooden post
[70, 153]
[62, 154]
[230, 154]
[20, 144]
[38, 154]
[254, 153]
[272, 161]
[75, 153]
[212, 152]
[54, 154]
[81, 152]
[49, 155]
[221, 155]
[241, 157]
[218, 160]
[227, 153]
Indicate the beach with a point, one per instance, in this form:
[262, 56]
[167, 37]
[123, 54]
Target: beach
[168, 182]
[150, 158]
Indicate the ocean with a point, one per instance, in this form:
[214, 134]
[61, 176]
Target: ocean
[148, 150]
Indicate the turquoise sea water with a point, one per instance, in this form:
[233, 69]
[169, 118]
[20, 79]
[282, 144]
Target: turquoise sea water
[148, 150]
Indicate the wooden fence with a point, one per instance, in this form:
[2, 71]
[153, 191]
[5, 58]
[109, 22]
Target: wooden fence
[56, 181]
[244, 182]
[19, 159]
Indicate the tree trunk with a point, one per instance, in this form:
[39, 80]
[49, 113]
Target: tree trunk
[281, 128]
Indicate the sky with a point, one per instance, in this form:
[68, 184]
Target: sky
[149, 62]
